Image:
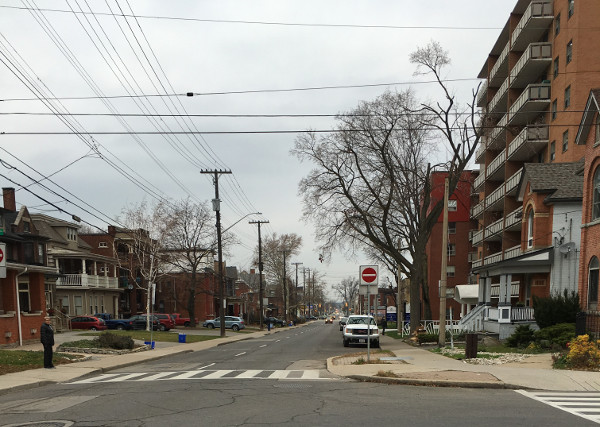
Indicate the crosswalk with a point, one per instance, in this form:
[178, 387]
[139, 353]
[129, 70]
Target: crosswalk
[582, 404]
[204, 374]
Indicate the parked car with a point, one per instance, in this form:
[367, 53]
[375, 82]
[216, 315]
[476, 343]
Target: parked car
[181, 321]
[88, 322]
[166, 321]
[139, 322]
[359, 329]
[274, 321]
[231, 322]
[111, 323]
[342, 322]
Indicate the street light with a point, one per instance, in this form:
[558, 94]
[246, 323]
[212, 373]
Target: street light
[245, 216]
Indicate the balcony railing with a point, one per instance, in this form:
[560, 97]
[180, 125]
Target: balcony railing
[498, 103]
[533, 24]
[497, 136]
[496, 164]
[494, 228]
[477, 237]
[494, 258]
[480, 179]
[514, 218]
[513, 252]
[529, 141]
[477, 210]
[482, 94]
[500, 69]
[514, 290]
[87, 281]
[513, 182]
[532, 63]
[495, 196]
[477, 263]
[532, 102]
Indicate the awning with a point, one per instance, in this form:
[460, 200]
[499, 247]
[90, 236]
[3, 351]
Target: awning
[466, 294]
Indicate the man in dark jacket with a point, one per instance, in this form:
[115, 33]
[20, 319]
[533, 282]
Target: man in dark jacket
[47, 339]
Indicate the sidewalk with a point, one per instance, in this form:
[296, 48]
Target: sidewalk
[411, 365]
[418, 366]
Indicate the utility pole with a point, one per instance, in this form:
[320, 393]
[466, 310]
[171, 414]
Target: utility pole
[304, 293]
[443, 278]
[286, 296]
[260, 269]
[296, 293]
[309, 307]
[217, 209]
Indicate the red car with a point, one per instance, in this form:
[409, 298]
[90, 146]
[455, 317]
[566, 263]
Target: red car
[181, 321]
[88, 322]
[166, 321]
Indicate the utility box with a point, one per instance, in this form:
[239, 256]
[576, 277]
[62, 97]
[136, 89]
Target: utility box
[471, 346]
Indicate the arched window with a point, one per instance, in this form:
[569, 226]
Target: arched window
[593, 271]
[530, 229]
[596, 195]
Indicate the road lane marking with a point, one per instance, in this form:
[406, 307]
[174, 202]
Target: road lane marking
[156, 376]
[217, 374]
[581, 404]
[187, 375]
[250, 373]
[279, 374]
[204, 367]
[239, 354]
[264, 345]
[277, 340]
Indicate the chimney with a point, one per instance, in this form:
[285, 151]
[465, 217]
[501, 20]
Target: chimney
[8, 196]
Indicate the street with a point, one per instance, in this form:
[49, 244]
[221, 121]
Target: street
[278, 379]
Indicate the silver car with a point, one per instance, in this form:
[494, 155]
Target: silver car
[231, 322]
[359, 329]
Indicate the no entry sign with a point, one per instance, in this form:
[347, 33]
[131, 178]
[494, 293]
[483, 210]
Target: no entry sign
[369, 275]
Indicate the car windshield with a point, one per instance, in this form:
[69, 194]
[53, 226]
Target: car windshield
[360, 321]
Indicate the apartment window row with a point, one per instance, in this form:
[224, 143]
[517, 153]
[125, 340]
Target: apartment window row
[596, 195]
[565, 141]
[569, 51]
[571, 7]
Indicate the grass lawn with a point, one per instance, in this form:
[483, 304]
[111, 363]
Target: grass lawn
[21, 360]
[156, 336]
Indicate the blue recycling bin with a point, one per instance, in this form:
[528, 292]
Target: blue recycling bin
[151, 344]
[182, 338]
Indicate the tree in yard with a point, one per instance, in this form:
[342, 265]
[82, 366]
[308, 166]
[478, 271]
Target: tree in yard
[347, 289]
[370, 189]
[189, 247]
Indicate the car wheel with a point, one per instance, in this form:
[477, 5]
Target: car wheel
[211, 326]
[375, 344]
[120, 327]
[162, 328]
[346, 343]
[235, 328]
[93, 328]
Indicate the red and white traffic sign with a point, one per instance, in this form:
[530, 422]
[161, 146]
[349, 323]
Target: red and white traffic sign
[1, 255]
[2, 261]
[369, 275]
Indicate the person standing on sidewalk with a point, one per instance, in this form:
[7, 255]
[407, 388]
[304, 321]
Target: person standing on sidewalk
[47, 339]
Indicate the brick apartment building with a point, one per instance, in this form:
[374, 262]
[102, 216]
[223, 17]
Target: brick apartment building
[537, 81]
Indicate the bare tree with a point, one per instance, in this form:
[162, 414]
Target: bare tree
[189, 246]
[348, 291]
[371, 190]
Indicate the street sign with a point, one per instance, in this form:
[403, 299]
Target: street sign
[2, 261]
[369, 275]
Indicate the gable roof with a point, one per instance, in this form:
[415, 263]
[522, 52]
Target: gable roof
[562, 181]
[591, 107]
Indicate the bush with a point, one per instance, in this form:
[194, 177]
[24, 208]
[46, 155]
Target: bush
[425, 338]
[556, 336]
[118, 342]
[583, 354]
[556, 309]
[521, 338]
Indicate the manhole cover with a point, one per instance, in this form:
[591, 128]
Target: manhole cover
[52, 423]
[293, 385]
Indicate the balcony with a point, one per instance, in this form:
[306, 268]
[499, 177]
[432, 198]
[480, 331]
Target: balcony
[478, 238]
[513, 220]
[533, 24]
[482, 94]
[513, 182]
[495, 201]
[534, 61]
[499, 102]
[497, 138]
[87, 281]
[481, 150]
[477, 263]
[500, 69]
[492, 259]
[513, 252]
[528, 143]
[477, 210]
[494, 230]
[495, 170]
[479, 180]
[533, 102]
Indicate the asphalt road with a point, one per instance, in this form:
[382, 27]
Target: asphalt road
[279, 379]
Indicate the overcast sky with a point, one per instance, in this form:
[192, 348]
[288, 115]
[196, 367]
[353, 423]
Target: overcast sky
[235, 55]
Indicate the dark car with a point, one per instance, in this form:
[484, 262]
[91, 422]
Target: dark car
[274, 321]
[139, 322]
[342, 322]
[166, 321]
[88, 322]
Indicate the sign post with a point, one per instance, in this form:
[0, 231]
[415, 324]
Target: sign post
[369, 277]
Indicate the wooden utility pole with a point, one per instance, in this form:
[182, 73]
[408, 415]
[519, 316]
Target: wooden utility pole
[260, 269]
[286, 296]
[444, 273]
[217, 209]
[296, 293]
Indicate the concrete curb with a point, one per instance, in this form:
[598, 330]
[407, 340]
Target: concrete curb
[436, 383]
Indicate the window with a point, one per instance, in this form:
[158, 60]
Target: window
[451, 249]
[554, 109]
[102, 245]
[569, 51]
[41, 253]
[596, 195]
[26, 227]
[571, 7]
[593, 281]
[552, 151]
[565, 144]
[78, 302]
[530, 229]
[557, 25]
[452, 228]
[450, 270]
[597, 128]
[71, 234]
[568, 97]
[555, 68]
[452, 205]
[24, 301]
[28, 252]
[541, 157]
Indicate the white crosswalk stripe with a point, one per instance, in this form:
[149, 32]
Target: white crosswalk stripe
[582, 404]
[203, 374]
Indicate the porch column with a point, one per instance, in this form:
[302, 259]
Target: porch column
[503, 291]
[481, 291]
[488, 291]
[508, 289]
[95, 268]
[83, 267]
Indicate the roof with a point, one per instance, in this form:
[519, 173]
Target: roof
[591, 107]
[562, 181]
